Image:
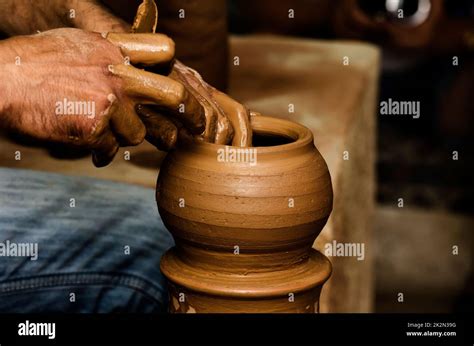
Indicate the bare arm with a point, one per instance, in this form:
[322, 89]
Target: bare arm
[23, 17]
[72, 86]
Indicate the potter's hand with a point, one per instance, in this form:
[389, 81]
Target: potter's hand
[25, 17]
[227, 121]
[72, 86]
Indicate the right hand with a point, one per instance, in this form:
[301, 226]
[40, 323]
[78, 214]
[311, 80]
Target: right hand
[227, 121]
[76, 66]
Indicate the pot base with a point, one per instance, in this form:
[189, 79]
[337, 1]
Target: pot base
[292, 289]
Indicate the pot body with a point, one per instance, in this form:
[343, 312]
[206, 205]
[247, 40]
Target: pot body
[244, 229]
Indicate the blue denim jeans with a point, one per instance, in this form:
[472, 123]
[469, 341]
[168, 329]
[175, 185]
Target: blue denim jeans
[99, 245]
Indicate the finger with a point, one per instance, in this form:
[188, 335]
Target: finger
[218, 128]
[210, 131]
[147, 87]
[148, 49]
[160, 131]
[126, 125]
[104, 149]
[186, 137]
[210, 116]
[224, 131]
[238, 117]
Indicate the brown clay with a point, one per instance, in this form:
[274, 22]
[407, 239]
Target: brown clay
[146, 17]
[149, 88]
[227, 121]
[201, 37]
[145, 49]
[218, 127]
[238, 116]
[205, 21]
[244, 231]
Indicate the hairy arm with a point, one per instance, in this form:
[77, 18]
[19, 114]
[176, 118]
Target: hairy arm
[23, 17]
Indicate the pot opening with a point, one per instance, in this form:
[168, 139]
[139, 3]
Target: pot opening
[264, 140]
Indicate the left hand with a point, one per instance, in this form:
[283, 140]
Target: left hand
[227, 121]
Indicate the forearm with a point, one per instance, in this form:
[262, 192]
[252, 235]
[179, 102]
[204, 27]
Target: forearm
[22, 17]
[10, 63]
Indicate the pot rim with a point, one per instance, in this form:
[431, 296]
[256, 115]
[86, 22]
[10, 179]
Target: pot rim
[266, 125]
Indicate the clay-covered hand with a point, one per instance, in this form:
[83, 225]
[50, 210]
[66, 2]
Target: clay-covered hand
[73, 86]
[227, 121]
[24, 17]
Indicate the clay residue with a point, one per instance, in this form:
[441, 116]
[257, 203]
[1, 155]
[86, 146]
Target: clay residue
[227, 121]
[146, 18]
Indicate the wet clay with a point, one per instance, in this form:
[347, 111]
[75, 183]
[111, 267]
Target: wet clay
[145, 49]
[146, 18]
[232, 120]
[244, 232]
[227, 121]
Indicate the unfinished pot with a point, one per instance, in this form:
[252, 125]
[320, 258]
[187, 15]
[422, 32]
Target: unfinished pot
[244, 221]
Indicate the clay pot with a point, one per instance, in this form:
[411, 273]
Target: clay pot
[244, 230]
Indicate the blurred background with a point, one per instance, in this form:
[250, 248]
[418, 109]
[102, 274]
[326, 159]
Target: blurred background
[427, 56]
[407, 191]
